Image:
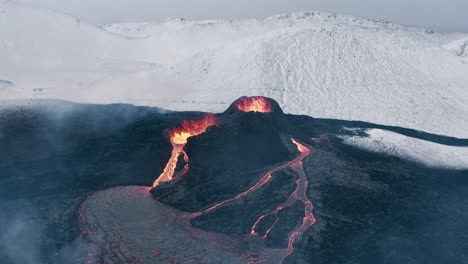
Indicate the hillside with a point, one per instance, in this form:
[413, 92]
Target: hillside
[314, 63]
[118, 183]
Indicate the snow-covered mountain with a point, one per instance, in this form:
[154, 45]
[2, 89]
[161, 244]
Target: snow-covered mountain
[459, 47]
[313, 63]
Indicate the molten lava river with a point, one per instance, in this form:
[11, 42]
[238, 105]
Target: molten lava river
[127, 224]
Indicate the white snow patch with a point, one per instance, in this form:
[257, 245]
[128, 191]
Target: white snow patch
[313, 63]
[417, 150]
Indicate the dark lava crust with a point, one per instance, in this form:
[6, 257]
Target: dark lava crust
[229, 158]
[370, 208]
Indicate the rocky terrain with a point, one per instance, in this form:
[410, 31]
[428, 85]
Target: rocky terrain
[256, 186]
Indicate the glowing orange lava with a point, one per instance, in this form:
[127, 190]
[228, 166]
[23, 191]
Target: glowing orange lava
[254, 104]
[179, 136]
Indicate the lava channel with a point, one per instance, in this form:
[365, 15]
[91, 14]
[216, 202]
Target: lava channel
[127, 225]
[179, 136]
[299, 194]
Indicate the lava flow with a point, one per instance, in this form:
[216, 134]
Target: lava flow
[299, 194]
[254, 104]
[179, 136]
[127, 225]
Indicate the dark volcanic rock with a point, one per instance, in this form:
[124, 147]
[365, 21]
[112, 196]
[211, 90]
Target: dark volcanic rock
[240, 217]
[370, 208]
[288, 219]
[229, 159]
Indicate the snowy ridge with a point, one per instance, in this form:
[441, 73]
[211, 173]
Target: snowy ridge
[148, 29]
[459, 47]
[312, 63]
[417, 150]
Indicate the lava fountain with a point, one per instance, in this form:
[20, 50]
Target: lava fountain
[179, 136]
[258, 104]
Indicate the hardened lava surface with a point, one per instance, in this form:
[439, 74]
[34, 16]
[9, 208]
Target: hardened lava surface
[126, 184]
[127, 225]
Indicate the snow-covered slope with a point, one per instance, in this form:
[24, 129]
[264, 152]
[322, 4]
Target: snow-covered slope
[417, 150]
[313, 63]
[459, 47]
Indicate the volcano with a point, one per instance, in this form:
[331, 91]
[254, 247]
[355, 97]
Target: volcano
[223, 160]
[228, 159]
[248, 185]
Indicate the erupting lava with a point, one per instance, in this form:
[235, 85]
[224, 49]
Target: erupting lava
[254, 104]
[179, 136]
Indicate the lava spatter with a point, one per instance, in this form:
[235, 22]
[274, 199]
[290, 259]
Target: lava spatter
[179, 136]
[258, 104]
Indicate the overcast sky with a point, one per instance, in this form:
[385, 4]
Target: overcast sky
[441, 15]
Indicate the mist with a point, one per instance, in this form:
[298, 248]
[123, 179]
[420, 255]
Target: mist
[21, 231]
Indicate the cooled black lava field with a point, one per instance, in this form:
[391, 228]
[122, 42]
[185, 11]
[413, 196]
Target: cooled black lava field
[126, 184]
